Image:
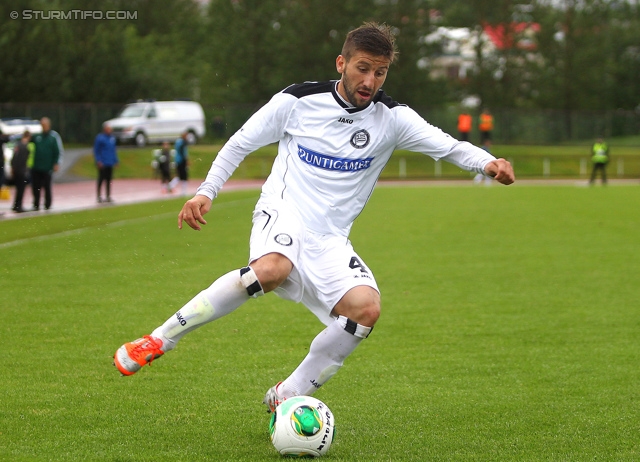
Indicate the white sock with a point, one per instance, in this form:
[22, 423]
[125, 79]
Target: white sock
[326, 355]
[226, 294]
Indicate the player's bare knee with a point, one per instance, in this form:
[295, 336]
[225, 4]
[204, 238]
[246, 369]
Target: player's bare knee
[361, 304]
[369, 314]
[272, 270]
[270, 278]
[366, 314]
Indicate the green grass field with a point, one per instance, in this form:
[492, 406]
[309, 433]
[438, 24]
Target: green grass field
[509, 332]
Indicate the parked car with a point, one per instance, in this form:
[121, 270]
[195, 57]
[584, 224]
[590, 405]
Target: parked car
[7, 150]
[17, 125]
[14, 127]
[157, 121]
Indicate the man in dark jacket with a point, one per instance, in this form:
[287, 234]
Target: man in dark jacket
[45, 162]
[104, 151]
[3, 139]
[21, 154]
[182, 163]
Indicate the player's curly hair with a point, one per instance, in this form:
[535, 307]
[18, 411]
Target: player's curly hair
[373, 38]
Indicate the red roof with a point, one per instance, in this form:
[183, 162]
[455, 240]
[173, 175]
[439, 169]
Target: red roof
[512, 35]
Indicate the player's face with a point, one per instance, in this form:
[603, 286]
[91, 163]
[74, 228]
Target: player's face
[362, 77]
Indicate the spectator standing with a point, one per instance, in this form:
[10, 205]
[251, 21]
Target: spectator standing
[22, 152]
[106, 157]
[164, 166]
[45, 162]
[58, 138]
[182, 164]
[465, 122]
[486, 127]
[600, 159]
[3, 139]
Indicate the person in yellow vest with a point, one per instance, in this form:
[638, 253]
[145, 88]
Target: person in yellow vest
[600, 159]
[465, 122]
[486, 127]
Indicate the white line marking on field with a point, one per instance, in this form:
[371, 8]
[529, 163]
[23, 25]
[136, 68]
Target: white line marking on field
[114, 224]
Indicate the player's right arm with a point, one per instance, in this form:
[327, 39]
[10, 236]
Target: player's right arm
[264, 127]
[193, 212]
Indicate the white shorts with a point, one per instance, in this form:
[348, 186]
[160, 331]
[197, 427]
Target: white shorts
[325, 267]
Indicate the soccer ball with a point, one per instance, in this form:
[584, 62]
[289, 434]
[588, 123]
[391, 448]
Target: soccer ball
[302, 426]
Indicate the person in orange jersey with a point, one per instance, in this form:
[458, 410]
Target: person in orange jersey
[465, 122]
[486, 127]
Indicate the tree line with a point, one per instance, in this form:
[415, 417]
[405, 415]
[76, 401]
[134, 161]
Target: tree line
[586, 53]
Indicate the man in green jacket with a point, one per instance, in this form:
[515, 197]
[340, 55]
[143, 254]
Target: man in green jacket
[600, 159]
[45, 162]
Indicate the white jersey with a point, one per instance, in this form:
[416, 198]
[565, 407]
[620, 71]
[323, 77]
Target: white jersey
[331, 154]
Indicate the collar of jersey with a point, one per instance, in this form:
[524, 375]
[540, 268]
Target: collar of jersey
[347, 106]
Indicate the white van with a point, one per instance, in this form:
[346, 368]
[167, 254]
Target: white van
[18, 125]
[157, 121]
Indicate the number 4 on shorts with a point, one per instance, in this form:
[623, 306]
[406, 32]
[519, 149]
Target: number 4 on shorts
[355, 263]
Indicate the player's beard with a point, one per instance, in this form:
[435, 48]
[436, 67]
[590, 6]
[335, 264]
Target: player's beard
[352, 94]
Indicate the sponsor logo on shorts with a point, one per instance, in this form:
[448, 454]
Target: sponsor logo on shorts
[323, 161]
[361, 275]
[283, 239]
[360, 139]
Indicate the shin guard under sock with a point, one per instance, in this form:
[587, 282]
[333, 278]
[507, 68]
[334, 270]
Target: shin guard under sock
[226, 294]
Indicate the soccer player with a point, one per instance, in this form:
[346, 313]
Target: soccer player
[334, 140]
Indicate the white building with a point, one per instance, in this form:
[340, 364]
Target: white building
[459, 46]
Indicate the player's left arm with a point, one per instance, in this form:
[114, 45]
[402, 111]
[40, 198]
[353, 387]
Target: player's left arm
[416, 134]
[501, 171]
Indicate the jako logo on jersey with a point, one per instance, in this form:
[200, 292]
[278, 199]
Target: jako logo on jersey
[345, 121]
[360, 139]
[283, 239]
[315, 159]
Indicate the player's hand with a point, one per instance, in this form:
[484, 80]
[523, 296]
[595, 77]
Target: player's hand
[193, 210]
[501, 171]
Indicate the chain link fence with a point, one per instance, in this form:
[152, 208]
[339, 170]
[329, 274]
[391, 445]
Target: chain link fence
[80, 122]
[541, 126]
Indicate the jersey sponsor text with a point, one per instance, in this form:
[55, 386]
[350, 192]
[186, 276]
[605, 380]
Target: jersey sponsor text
[316, 159]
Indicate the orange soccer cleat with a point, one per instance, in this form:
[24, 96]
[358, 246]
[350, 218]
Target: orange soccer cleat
[131, 356]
